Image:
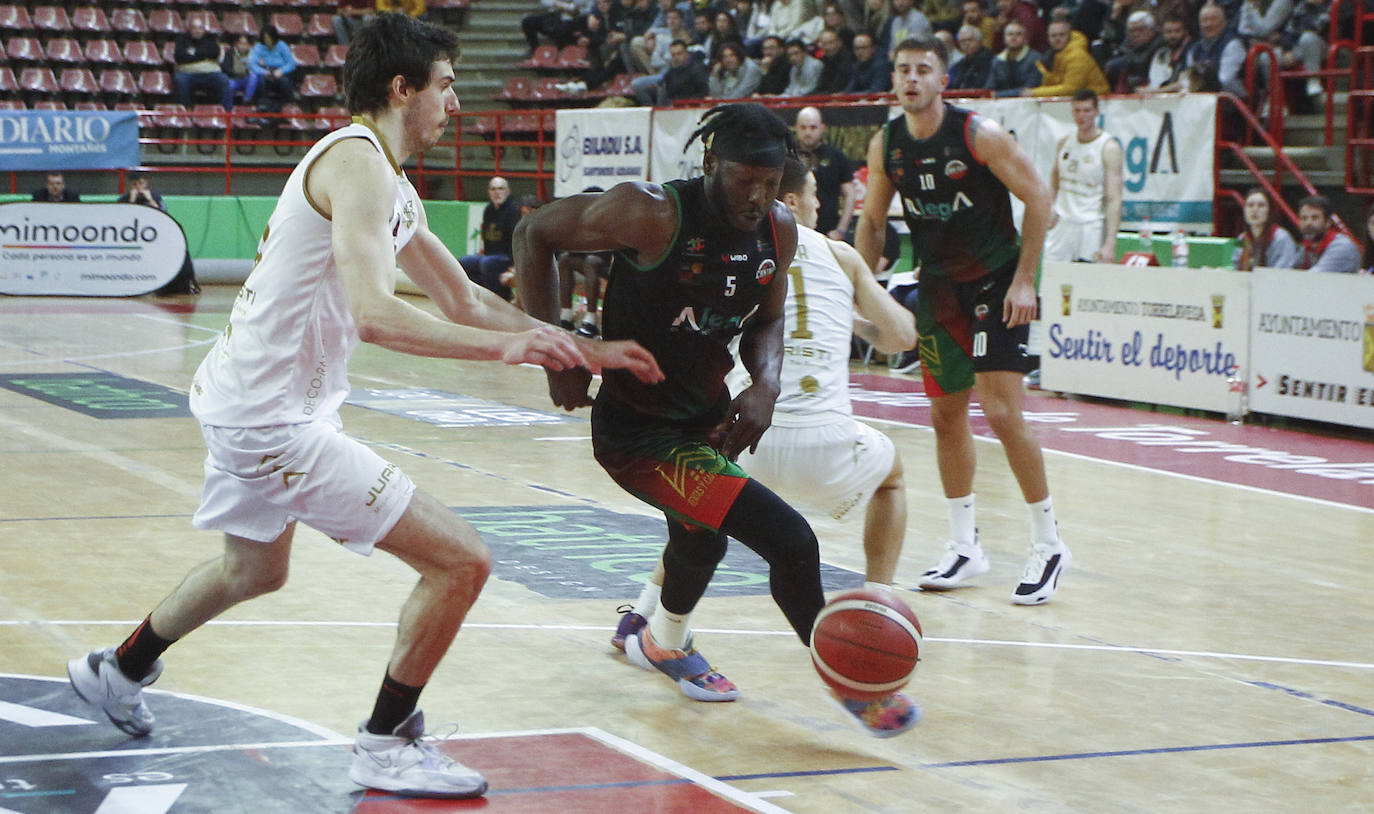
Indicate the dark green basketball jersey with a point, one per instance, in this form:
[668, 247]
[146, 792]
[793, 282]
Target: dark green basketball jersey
[686, 307]
[959, 213]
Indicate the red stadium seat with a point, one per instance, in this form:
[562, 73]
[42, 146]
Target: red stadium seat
[8, 82]
[65, 51]
[10, 104]
[103, 52]
[88, 105]
[78, 81]
[49, 104]
[15, 18]
[296, 119]
[545, 89]
[155, 84]
[288, 24]
[319, 86]
[209, 116]
[37, 80]
[517, 89]
[128, 21]
[50, 18]
[24, 49]
[320, 27]
[212, 22]
[239, 22]
[544, 57]
[90, 19]
[142, 52]
[169, 52]
[307, 56]
[335, 56]
[171, 115]
[165, 22]
[118, 82]
[573, 58]
[333, 117]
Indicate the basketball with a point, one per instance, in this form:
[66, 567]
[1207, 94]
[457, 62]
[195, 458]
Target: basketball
[865, 644]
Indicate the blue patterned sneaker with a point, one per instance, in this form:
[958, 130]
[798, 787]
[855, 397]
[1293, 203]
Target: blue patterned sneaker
[630, 623]
[887, 717]
[688, 668]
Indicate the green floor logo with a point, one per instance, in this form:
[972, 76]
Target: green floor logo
[100, 395]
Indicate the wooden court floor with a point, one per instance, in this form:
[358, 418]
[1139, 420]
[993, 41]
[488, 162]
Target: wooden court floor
[1210, 651]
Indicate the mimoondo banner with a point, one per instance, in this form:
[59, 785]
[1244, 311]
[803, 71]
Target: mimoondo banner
[87, 250]
[68, 140]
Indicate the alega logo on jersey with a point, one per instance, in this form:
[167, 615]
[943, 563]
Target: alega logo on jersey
[710, 321]
[917, 208]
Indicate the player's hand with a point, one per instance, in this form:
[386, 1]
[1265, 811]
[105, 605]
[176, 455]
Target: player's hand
[1105, 255]
[751, 413]
[547, 346]
[625, 354]
[1019, 306]
[568, 388]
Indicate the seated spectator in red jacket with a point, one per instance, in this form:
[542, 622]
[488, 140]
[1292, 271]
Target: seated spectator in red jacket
[1324, 247]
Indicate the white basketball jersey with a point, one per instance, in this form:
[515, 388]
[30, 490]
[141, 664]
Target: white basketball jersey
[816, 337]
[1082, 191]
[284, 357]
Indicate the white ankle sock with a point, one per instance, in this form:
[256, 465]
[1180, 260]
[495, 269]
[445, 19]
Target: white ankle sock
[1043, 527]
[567, 314]
[961, 520]
[647, 602]
[670, 629]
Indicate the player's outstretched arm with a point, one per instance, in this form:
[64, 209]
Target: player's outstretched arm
[883, 322]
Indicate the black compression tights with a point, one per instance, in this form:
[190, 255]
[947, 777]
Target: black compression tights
[775, 531]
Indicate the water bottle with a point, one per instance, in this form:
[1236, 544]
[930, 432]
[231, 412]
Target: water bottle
[1180, 248]
[1237, 401]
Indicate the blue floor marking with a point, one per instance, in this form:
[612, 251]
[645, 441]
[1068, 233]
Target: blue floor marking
[1160, 751]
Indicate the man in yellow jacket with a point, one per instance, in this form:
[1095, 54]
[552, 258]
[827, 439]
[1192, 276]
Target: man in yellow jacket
[1072, 67]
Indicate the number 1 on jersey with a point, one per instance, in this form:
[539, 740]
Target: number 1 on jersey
[799, 295]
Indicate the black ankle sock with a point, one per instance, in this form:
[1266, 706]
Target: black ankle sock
[138, 652]
[395, 702]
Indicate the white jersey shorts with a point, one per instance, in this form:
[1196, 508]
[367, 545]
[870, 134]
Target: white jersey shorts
[258, 480]
[1069, 241]
[833, 467]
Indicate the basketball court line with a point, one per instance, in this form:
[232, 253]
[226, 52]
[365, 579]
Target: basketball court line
[1100, 648]
[1163, 750]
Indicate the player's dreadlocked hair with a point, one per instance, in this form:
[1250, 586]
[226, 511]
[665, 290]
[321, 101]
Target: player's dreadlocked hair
[747, 133]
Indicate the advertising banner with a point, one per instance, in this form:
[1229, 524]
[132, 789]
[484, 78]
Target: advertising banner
[87, 250]
[672, 128]
[601, 147]
[1158, 335]
[1312, 340]
[68, 140]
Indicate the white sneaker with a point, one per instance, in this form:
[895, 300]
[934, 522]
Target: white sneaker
[958, 564]
[403, 763]
[1314, 86]
[1040, 579]
[97, 680]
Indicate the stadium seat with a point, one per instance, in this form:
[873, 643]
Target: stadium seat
[15, 18]
[333, 117]
[335, 56]
[306, 56]
[320, 27]
[155, 84]
[545, 89]
[169, 52]
[319, 86]
[50, 18]
[296, 120]
[142, 52]
[90, 19]
[517, 89]
[239, 22]
[89, 106]
[170, 115]
[103, 52]
[37, 80]
[128, 21]
[212, 22]
[573, 58]
[49, 104]
[78, 82]
[165, 23]
[210, 117]
[24, 49]
[288, 24]
[65, 51]
[8, 82]
[10, 104]
[118, 82]
[544, 57]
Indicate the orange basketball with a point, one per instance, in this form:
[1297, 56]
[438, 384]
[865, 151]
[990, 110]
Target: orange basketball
[865, 644]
